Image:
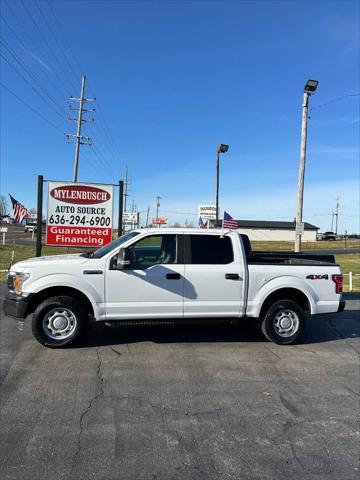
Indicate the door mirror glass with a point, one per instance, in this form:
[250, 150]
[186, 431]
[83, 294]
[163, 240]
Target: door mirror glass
[122, 259]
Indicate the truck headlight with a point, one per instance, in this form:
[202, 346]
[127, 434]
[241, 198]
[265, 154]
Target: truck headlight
[16, 281]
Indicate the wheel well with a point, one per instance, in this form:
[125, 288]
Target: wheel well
[289, 294]
[56, 291]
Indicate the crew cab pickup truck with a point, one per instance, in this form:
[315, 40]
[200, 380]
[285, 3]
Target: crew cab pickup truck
[177, 274]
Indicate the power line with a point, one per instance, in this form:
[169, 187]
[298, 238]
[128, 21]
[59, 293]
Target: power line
[338, 99]
[102, 123]
[54, 37]
[38, 60]
[102, 160]
[48, 45]
[104, 130]
[30, 74]
[34, 88]
[31, 108]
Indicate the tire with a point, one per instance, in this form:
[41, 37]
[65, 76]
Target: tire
[283, 322]
[58, 322]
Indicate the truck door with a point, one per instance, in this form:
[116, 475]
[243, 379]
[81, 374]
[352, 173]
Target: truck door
[214, 277]
[153, 284]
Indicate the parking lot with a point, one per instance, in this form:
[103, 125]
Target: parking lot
[185, 402]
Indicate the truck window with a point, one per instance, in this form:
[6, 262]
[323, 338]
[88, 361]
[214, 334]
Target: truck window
[154, 250]
[210, 250]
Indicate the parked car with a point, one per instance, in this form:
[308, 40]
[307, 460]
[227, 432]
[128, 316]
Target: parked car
[329, 236]
[30, 227]
[174, 274]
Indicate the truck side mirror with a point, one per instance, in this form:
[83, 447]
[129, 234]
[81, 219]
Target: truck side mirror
[123, 259]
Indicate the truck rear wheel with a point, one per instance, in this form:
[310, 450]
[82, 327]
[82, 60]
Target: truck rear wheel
[284, 322]
[58, 321]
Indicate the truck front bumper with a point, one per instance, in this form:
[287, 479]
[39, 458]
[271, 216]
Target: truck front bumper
[15, 305]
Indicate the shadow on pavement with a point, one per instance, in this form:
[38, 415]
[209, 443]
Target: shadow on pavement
[322, 328]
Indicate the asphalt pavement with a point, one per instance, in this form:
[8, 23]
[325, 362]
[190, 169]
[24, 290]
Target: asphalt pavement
[191, 402]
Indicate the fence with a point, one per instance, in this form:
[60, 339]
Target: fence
[353, 282]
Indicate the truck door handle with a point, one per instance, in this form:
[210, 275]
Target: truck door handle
[232, 276]
[173, 276]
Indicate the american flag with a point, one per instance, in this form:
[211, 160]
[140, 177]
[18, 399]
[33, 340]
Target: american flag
[229, 222]
[19, 211]
[201, 223]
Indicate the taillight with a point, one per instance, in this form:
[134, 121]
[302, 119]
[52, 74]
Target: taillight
[338, 279]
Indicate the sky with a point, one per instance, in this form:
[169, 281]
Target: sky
[172, 79]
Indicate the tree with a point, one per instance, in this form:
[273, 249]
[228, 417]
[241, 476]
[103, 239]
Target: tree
[3, 206]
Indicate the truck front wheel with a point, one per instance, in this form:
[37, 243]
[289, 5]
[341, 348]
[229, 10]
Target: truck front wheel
[283, 322]
[58, 321]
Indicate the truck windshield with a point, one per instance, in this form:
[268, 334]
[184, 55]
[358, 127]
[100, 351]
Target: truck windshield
[110, 246]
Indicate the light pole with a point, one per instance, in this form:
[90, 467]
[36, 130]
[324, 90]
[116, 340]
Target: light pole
[309, 89]
[220, 149]
[157, 210]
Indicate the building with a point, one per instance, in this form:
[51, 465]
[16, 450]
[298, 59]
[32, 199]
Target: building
[263, 230]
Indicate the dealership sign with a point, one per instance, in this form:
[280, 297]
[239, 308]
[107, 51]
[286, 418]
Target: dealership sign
[131, 218]
[79, 215]
[159, 221]
[207, 212]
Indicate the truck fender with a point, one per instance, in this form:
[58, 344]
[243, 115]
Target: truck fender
[279, 283]
[70, 281]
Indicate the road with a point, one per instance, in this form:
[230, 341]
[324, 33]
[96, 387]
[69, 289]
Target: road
[16, 234]
[189, 403]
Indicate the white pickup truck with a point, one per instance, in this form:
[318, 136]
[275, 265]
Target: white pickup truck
[176, 274]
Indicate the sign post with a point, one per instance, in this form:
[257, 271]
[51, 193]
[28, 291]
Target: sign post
[207, 212]
[78, 214]
[3, 230]
[39, 215]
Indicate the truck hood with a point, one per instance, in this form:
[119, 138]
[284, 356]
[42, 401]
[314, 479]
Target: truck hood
[49, 261]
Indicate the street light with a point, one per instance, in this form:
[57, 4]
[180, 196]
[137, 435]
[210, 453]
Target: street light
[220, 149]
[309, 89]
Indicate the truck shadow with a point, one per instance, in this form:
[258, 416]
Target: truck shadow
[320, 329]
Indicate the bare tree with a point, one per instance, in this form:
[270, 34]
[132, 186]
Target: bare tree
[3, 206]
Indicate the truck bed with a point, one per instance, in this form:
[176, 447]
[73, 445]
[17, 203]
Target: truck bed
[284, 258]
[290, 258]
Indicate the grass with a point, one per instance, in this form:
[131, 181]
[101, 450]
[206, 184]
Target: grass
[22, 252]
[289, 246]
[347, 262]
[350, 263]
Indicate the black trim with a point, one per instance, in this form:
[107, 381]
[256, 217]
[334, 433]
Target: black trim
[15, 305]
[341, 305]
[173, 276]
[232, 276]
[187, 250]
[180, 249]
[93, 272]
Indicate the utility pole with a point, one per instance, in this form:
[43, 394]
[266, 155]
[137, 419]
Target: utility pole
[126, 187]
[121, 207]
[80, 139]
[310, 88]
[222, 148]
[133, 211]
[157, 210]
[337, 215]
[147, 216]
[332, 221]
